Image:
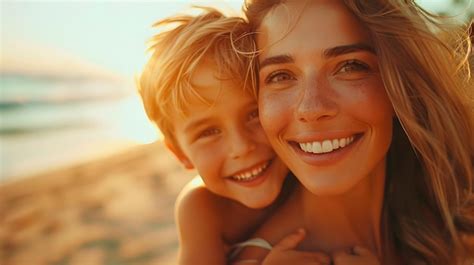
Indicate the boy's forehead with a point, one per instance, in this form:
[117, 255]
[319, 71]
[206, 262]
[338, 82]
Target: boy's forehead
[207, 83]
[218, 95]
[206, 78]
[205, 98]
[209, 89]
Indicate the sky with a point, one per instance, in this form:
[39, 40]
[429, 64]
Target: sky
[108, 35]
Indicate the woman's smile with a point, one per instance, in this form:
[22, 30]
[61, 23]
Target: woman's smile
[326, 152]
[322, 102]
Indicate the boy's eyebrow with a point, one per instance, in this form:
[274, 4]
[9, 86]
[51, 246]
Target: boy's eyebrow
[331, 52]
[194, 124]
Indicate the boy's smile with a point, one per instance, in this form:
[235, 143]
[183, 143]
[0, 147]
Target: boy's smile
[221, 137]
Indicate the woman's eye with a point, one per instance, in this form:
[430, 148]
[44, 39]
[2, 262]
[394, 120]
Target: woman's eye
[208, 132]
[279, 76]
[353, 66]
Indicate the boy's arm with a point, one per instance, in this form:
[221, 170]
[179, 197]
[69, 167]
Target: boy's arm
[199, 227]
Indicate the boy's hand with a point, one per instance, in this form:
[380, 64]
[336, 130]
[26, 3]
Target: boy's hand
[359, 256]
[283, 252]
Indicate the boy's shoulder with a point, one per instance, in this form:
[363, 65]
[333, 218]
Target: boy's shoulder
[197, 202]
[195, 193]
[200, 227]
[198, 208]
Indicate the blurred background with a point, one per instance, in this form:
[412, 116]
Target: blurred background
[84, 178]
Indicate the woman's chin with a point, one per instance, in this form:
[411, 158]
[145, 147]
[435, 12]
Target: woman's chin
[330, 186]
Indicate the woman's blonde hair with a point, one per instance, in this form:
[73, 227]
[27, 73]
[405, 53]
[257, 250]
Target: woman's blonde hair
[165, 83]
[424, 64]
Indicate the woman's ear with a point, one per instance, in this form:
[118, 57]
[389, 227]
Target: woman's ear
[179, 154]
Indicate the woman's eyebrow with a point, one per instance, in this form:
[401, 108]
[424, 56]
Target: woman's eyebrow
[330, 52]
[339, 50]
[279, 59]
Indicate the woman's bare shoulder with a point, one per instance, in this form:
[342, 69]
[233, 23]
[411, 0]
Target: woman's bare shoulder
[282, 222]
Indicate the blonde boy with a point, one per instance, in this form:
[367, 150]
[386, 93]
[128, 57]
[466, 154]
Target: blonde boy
[196, 88]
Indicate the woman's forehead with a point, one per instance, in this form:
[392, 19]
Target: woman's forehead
[299, 25]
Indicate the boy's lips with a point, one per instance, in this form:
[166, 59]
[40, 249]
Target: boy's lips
[250, 174]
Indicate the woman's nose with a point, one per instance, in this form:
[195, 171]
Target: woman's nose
[315, 103]
[241, 143]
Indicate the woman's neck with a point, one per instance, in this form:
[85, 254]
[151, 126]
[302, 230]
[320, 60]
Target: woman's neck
[343, 221]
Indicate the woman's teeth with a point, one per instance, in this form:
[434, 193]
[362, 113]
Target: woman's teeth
[251, 174]
[326, 146]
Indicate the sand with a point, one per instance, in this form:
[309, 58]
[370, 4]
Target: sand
[115, 210]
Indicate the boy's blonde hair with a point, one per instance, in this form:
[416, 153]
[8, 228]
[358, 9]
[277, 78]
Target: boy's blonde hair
[165, 83]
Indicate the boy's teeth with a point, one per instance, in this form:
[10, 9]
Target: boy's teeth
[326, 146]
[251, 174]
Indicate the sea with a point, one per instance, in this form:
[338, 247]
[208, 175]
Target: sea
[51, 122]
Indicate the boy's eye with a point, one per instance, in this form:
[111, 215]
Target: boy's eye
[253, 115]
[351, 66]
[208, 132]
[279, 76]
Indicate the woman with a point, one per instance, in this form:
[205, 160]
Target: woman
[372, 112]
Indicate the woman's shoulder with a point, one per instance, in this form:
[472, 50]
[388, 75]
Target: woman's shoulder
[283, 221]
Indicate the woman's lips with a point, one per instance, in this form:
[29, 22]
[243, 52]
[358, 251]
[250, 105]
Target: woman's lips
[327, 145]
[327, 151]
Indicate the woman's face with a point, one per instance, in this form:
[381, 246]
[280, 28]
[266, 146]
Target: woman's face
[322, 101]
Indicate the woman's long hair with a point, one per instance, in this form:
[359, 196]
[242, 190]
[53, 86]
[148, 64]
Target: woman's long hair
[424, 64]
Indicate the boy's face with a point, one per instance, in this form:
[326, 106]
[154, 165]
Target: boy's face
[225, 142]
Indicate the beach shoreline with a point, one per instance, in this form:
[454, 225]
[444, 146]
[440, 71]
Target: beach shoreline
[116, 209]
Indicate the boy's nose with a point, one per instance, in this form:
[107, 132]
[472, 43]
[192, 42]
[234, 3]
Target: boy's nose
[315, 103]
[241, 143]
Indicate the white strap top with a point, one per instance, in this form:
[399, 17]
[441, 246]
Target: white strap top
[253, 242]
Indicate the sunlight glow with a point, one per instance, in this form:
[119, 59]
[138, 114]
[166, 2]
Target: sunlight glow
[133, 124]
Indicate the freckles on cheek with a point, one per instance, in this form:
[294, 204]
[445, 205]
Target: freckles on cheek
[368, 99]
[272, 111]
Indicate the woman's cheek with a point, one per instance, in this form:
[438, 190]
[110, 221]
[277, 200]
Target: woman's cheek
[273, 112]
[366, 100]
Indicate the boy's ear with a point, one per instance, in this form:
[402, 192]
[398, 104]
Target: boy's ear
[179, 154]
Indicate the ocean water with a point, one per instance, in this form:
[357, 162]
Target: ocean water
[48, 123]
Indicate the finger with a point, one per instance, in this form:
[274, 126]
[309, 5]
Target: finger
[341, 257]
[316, 258]
[362, 251]
[342, 253]
[319, 257]
[290, 241]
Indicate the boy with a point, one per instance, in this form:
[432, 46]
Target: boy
[196, 88]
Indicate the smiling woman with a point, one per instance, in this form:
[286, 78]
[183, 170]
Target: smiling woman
[369, 103]
[315, 92]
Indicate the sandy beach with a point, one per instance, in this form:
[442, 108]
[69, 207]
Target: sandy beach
[114, 210]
